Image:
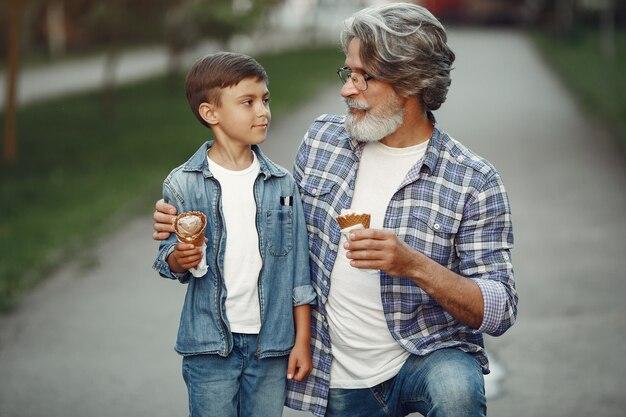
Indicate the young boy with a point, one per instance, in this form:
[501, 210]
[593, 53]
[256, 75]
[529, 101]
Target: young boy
[245, 324]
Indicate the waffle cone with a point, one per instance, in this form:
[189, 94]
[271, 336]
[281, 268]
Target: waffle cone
[197, 238]
[351, 219]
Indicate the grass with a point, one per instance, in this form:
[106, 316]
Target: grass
[598, 83]
[79, 173]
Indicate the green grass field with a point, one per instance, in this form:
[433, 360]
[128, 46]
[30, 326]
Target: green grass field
[598, 83]
[80, 174]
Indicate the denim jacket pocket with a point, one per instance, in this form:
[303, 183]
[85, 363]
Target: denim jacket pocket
[279, 228]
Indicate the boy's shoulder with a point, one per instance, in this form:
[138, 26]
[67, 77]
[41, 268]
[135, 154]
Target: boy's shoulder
[269, 167]
[196, 163]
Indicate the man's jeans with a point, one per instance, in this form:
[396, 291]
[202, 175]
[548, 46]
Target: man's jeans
[237, 385]
[446, 383]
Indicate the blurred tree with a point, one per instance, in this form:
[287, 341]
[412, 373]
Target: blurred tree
[608, 29]
[56, 27]
[567, 17]
[180, 34]
[564, 13]
[14, 17]
[116, 24]
[108, 22]
[55, 24]
[4, 34]
[190, 21]
[557, 15]
[221, 19]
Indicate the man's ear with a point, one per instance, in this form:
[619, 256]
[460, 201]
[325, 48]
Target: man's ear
[208, 113]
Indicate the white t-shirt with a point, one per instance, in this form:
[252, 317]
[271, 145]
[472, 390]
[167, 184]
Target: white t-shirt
[242, 260]
[364, 352]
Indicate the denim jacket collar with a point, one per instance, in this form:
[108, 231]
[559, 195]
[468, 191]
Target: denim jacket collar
[198, 162]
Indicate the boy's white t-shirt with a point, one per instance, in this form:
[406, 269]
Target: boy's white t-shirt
[364, 352]
[242, 259]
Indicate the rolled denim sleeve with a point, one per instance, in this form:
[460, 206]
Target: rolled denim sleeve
[162, 267]
[303, 292]
[304, 295]
[166, 247]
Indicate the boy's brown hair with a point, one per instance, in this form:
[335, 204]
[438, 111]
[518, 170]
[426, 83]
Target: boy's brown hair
[209, 75]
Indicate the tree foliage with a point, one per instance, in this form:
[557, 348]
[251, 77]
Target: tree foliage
[221, 19]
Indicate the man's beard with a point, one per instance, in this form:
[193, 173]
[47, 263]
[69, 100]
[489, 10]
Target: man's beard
[375, 124]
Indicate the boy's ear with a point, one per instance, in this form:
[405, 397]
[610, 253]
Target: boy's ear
[208, 113]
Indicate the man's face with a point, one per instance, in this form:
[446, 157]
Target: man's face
[374, 113]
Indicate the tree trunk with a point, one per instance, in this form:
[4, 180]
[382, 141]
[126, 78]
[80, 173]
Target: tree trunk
[109, 83]
[55, 22]
[564, 17]
[608, 30]
[10, 148]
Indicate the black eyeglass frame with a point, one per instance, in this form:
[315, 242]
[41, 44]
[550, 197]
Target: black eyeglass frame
[346, 73]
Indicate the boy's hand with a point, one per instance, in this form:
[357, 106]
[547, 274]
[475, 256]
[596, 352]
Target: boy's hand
[163, 217]
[186, 256]
[300, 364]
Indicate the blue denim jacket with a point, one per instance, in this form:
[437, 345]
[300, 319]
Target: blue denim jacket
[284, 281]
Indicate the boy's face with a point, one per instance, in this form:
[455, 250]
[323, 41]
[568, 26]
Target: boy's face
[243, 116]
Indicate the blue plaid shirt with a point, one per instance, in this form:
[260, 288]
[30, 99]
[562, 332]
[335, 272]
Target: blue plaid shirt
[451, 206]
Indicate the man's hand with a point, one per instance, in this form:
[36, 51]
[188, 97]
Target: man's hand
[163, 217]
[381, 249]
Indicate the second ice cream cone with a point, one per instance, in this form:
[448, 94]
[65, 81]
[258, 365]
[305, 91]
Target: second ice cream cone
[350, 219]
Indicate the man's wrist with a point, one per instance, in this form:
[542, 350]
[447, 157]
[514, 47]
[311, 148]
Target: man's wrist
[418, 267]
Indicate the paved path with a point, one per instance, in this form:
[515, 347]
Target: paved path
[96, 339]
[567, 182]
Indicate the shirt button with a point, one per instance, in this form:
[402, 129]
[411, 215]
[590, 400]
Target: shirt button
[460, 158]
[325, 282]
[315, 191]
[436, 226]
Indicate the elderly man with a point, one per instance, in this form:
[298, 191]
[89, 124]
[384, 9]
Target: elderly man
[402, 306]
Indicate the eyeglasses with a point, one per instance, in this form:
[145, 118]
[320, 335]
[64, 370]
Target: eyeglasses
[359, 80]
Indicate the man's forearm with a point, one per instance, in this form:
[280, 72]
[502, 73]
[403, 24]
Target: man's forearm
[459, 296]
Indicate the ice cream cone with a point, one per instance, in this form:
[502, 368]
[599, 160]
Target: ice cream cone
[190, 227]
[349, 219]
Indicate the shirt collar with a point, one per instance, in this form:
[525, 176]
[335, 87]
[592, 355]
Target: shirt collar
[198, 162]
[429, 162]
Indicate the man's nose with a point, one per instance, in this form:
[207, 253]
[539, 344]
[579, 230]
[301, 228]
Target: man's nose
[348, 89]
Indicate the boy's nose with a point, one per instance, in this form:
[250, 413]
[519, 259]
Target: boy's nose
[263, 111]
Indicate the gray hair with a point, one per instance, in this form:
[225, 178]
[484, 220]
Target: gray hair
[405, 45]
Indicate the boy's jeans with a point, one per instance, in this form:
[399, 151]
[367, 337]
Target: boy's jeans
[237, 385]
[445, 383]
